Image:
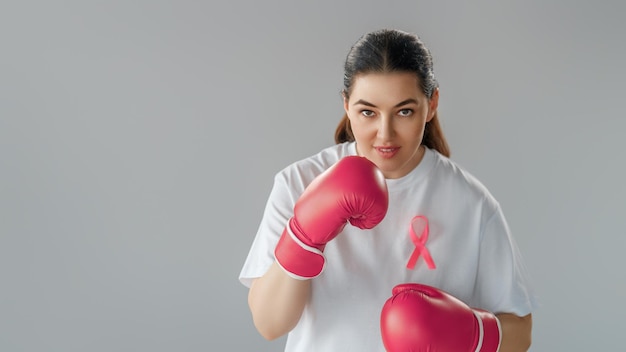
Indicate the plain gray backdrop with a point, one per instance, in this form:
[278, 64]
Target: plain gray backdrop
[139, 140]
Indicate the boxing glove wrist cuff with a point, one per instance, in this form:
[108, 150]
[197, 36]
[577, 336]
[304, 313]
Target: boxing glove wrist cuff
[298, 259]
[490, 331]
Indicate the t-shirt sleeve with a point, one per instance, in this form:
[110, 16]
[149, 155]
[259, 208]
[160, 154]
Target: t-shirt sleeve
[502, 284]
[278, 210]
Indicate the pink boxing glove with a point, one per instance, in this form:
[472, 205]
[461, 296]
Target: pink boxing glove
[422, 318]
[353, 190]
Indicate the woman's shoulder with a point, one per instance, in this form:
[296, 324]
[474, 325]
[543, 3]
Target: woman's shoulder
[457, 177]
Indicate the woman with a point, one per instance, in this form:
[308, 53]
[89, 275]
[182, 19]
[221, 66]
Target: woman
[428, 222]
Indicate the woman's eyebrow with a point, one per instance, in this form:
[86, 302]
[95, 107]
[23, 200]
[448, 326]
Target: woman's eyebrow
[363, 102]
[404, 102]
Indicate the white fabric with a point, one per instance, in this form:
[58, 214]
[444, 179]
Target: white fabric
[477, 259]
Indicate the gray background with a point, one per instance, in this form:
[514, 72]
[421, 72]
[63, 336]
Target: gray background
[138, 141]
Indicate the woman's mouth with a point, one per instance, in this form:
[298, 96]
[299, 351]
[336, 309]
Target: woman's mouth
[387, 152]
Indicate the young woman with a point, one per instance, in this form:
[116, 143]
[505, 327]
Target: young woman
[382, 235]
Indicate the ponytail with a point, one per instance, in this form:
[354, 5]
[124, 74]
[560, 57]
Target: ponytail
[434, 138]
[343, 133]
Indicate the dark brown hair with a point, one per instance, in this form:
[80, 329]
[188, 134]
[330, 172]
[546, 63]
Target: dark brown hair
[390, 50]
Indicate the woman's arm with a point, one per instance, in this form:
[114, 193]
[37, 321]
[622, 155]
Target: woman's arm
[276, 301]
[516, 332]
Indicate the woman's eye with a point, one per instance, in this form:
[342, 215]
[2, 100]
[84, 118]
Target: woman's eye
[405, 112]
[367, 113]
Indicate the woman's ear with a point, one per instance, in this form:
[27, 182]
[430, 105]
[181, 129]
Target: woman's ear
[345, 101]
[433, 104]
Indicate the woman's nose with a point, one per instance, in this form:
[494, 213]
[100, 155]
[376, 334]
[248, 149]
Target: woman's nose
[385, 128]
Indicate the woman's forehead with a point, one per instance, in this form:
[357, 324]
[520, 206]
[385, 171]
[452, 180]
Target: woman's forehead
[385, 86]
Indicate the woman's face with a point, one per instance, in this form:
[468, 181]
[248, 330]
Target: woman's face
[388, 112]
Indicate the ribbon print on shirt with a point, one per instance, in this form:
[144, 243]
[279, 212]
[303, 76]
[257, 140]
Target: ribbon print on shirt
[419, 224]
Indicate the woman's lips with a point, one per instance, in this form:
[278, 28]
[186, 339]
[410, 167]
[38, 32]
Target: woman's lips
[387, 152]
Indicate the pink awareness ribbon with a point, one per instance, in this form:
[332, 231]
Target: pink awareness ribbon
[420, 221]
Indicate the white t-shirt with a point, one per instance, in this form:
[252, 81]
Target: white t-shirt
[469, 241]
